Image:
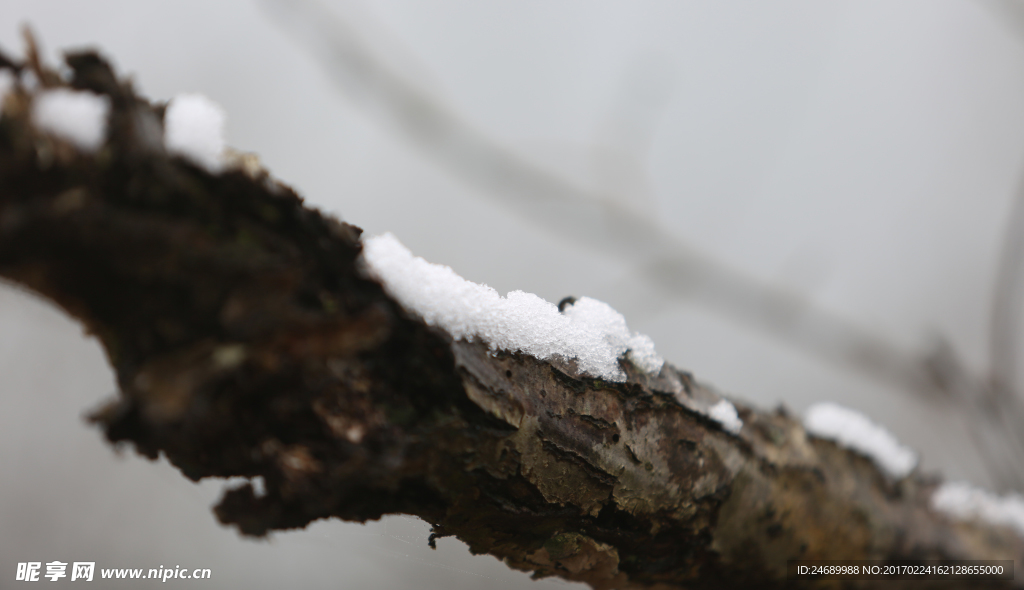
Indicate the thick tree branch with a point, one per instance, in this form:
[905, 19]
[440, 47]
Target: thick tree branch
[248, 342]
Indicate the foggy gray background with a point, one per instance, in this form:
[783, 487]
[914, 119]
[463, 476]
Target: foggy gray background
[863, 154]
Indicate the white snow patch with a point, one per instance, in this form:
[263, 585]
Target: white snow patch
[857, 432]
[77, 116]
[725, 414]
[963, 501]
[259, 486]
[194, 128]
[589, 331]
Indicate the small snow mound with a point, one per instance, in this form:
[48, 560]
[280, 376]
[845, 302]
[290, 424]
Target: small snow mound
[857, 432]
[725, 414]
[194, 128]
[76, 116]
[963, 501]
[589, 331]
[600, 318]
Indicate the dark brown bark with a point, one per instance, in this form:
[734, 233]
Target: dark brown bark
[247, 342]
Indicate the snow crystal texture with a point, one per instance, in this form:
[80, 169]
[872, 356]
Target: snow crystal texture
[77, 116]
[966, 502]
[857, 432]
[589, 331]
[725, 414]
[194, 128]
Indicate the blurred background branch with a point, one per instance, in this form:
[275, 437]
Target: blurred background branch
[1008, 301]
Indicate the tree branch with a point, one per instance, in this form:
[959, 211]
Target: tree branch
[248, 342]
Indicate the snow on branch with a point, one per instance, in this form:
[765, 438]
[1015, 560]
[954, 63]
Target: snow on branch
[856, 431]
[963, 501]
[194, 128]
[587, 330]
[79, 117]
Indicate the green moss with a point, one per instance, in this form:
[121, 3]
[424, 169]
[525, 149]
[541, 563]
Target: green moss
[563, 545]
[329, 303]
[245, 238]
[269, 212]
[400, 415]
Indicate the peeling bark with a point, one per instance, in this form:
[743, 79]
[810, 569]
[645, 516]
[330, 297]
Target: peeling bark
[247, 342]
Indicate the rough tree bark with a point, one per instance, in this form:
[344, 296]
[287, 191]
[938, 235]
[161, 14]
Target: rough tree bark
[248, 342]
